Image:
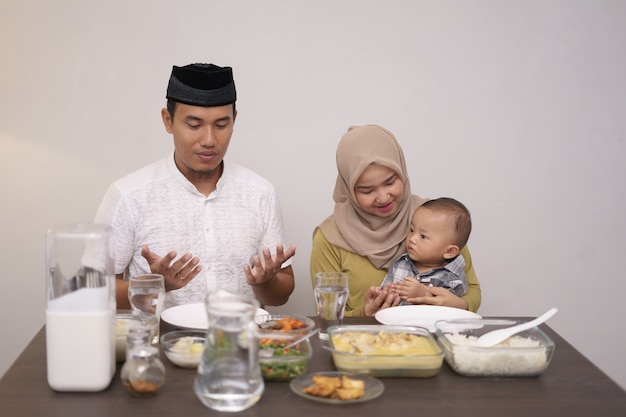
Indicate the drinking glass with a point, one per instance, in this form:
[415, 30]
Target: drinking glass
[331, 294]
[146, 293]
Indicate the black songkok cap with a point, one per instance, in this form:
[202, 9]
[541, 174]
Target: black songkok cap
[202, 85]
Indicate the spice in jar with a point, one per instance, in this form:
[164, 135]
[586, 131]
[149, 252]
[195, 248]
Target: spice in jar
[143, 372]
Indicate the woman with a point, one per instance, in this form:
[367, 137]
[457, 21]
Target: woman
[370, 221]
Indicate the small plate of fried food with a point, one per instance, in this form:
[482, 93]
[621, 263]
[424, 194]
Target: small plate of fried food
[337, 387]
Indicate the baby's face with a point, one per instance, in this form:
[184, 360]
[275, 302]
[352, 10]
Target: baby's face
[430, 236]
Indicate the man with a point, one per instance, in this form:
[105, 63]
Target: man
[221, 217]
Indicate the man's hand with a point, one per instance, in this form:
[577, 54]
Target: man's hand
[177, 273]
[265, 269]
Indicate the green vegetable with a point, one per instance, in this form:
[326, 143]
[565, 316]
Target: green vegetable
[276, 370]
[280, 371]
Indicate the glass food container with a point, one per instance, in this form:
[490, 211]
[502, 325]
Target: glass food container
[385, 350]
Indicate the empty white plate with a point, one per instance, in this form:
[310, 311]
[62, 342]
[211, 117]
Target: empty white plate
[421, 315]
[191, 316]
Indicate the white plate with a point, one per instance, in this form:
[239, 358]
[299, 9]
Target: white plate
[421, 315]
[191, 316]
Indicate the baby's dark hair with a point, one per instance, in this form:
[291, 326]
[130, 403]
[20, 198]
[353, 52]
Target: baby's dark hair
[460, 214]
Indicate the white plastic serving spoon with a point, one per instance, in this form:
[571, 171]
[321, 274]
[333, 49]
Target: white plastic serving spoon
[496, 336]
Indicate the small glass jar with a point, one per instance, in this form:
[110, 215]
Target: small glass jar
[143, 372]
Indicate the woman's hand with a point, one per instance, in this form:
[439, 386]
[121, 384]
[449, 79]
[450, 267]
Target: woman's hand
[438, 296]
[378, 298]
[175, 274]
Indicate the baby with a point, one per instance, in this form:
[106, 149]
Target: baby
[439, 229]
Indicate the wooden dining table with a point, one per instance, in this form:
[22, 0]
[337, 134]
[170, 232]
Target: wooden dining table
[571, 386]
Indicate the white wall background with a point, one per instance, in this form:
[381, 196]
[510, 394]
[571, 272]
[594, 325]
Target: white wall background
[514, 107]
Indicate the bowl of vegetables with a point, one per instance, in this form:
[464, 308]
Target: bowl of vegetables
[283, 324]
[283, 364]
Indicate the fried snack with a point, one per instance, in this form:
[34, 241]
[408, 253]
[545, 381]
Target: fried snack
[332, 387]
[326, 380]
[349, 383]
[347, 394]
[323, 386]
[351, 389]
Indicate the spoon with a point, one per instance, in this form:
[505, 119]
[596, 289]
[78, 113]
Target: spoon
[496, 336]
[270, 325]
[269, 352]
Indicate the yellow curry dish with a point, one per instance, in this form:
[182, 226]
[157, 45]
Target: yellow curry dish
[385, 351]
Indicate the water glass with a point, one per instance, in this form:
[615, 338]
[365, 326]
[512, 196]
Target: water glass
[331, 294]
[146, 293]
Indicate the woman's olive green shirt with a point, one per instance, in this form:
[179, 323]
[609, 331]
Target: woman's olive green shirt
[362, 274]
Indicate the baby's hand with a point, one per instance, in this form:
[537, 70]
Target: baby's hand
[409, 288]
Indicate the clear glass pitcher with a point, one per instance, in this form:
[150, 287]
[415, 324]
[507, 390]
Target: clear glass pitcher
[80, 307]
[229, 376]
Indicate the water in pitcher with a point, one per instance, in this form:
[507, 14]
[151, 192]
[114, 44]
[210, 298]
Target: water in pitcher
[224, 383]
[229, 375]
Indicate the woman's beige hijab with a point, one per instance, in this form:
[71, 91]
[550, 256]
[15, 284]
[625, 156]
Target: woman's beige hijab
[350, 227]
